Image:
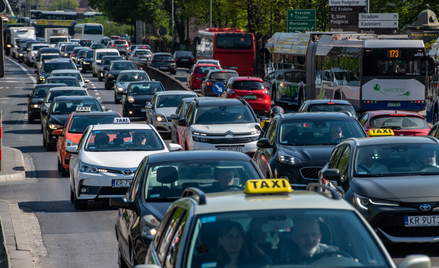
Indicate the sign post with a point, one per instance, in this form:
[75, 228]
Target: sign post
[343, 15]
[299, 20]
[378, 23]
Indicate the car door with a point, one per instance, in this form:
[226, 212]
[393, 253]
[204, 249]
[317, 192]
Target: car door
[265, 155]
[149, 112]
[183, 130]
[74, 160]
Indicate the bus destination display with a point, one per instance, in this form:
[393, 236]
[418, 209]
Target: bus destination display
[394, 54]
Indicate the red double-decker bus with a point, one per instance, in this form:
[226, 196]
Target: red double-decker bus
[232, 47]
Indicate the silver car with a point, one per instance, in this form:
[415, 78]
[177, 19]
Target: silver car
[140, 56]
[124, 79]
[120, 45]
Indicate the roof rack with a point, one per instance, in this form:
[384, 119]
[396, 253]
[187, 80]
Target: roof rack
[314, 186]
[191, 191]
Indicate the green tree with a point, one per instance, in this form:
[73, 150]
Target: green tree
[64, 4]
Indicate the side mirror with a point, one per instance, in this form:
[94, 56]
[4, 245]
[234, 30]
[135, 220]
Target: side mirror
[72, 149]
[36, 71]
[415, 261]
[332, 175]
[86, 81]
[121, 202]
[174, 116]
[148, 105]
[58, 132]
[174, 147]
[182, 122]
[264, 143]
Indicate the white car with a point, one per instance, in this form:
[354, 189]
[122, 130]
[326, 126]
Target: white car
[163, 104]
[74, 73]
[106, 158]
[33, 50]
[97, 58]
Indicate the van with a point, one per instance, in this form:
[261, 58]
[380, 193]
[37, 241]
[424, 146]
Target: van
[97, 57]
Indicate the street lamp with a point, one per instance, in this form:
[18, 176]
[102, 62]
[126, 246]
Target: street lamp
[210, 24]
[172, 28]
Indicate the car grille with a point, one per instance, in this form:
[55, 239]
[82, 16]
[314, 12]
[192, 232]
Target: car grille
[121, 171]
[310, 173]
[229, 140]
[393, 224]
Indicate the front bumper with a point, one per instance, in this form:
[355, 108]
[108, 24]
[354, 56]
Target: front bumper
[34, 112]
[99, 185]
[163, 127]
[247, 148]
[134, 109]
[298, 175]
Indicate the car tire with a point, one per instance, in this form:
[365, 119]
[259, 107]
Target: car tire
[99, 79]
[64, 172]
[79, 204]
[50, 147]
[30, 119]
[116, 100]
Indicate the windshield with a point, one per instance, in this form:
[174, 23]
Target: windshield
[68, 106]
[205, 69]
[49, 67]
[223, 115]
[80, 123]
[248, 85]
[52, 94]
[282, 238]
[123, 140]
[70, 47]
[100, 55]
[131, 77]
[122, 66]
[318, 132]
[331, 108]
[168, 180]
[45, 57]
[145, 89]
[76, 75]
[106, 61]
[398, 122]
[68, 82]
[41, 92]
[170, 100]
[234, 41]
[396, 160]
[391, 61]
[92, 29]
[38, 47]
[223, 75]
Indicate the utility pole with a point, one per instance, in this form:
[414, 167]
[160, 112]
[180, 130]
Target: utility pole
[172, 29]
[210, 23]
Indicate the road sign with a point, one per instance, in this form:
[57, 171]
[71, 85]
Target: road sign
[299, 20]
[162, 31]
[378, 23]
[379, 30]
[343, 14]
[378, 16]
[218, 88]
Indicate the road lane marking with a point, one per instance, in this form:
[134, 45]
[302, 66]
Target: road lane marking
[24, 69]
[98, 98]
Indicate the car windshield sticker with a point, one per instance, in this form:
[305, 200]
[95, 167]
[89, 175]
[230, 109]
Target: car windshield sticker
[208, 265]
[154, 195]
[208, 219]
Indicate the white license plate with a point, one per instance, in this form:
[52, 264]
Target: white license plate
[163, 67]
[120, 183]
[421, 221]
[393, 104]
[236, 149]
[250, 97]
[143, 110]
[184, 60]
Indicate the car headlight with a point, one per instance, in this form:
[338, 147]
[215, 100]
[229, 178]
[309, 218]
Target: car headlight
[120, 89]
[70, 143]
[20, 54]
[42, 78]
[130, 99]
[55, 126]
[109, 75]
[90, 168]
[32, 55]
[363, 203]
[161, 118]
[65, 54]
[36, 105]
[85, 62]
[199, 133]
[289, 160]
[149, 226]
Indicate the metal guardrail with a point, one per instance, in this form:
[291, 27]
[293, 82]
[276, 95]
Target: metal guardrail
[1, 134]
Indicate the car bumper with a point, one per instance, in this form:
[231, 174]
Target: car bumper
[86, 66]
[298, 176]
[260, 106]
[34, 112]
[163, 127]
[247, 148]
[134, 109]
[99, 185]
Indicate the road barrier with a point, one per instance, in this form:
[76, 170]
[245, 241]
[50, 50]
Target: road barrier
[1, 131]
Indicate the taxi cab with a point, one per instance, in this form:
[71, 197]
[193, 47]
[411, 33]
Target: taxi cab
[106, 157]
[72, 131]
[267, 224]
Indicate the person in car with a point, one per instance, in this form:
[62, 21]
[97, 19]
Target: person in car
[426, 159]
[101, 140]
[139, 138]
[225, 177]
[367, 163]
[336, 133]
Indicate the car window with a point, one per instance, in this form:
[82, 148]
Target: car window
[189, 113]
[205, 69]
[134, 187]
[68, 106]
[176, 242]
[80, 123]
[100, 55]
[122, 66]
[223, 115]
[363, 118]
[335, 156]
[271, 76]
[179, 108]
[248, 85]
[398, 122]
[166, 238]
[437, 133]
[145, 89]
[343, 164]
[40, 92]
[81, 141]
[223, 75]
[331, 108]
[76, 75]
[163, 57]
[164, 101]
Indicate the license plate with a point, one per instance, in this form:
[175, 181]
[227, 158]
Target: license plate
[163, 67]
[393, 104]
[250, 97]
[233, 68]
[120, 183]
[184, 60]
[421, 221]
[236, 149]
[143, 110]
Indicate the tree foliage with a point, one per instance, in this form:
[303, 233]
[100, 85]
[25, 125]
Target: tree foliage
[64, 4]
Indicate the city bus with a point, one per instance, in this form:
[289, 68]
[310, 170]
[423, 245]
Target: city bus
[371, 74]
[89, 31]
[232, 47]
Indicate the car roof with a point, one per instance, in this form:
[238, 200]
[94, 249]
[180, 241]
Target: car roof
[52, 85]
[76, 98]
[318, 115]
[174, 92]
[247, 78]
[121, 126]
[103, 113]
[65, 71]
[394, 140]
[218, 101]
[325, 101]
[221, 70]
[196, 155]
[62, 77]
[67, 88]
[389, 112]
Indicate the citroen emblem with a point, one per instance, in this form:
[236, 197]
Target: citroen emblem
[229, 133]
[425, 207]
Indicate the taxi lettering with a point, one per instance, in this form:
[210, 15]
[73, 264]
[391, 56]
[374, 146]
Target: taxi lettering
[267, 186]
[121, 120]
[381, 132]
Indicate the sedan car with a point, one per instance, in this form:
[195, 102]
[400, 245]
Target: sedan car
[141, 56]
[72, 73]
[105, 63]
[184, 59]
[161, 180]
[35, 100]
[403, 123]
[60, 90]
[216, 76]
[114, 69]
[392, 182]
[86, 61]
[296, 146]
[195, 78]
[317, 106]
[70, 81]
[123, 81]
[164, 62]
[103, 165]
[139, 93]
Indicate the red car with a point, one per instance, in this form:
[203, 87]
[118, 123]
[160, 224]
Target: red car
[252, 89]
[402, 123]
[194, 79]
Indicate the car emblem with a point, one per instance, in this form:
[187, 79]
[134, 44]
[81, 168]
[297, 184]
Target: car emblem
[128, 172]
[425, 207]
[229, 132]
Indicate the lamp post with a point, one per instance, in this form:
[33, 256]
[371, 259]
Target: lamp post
[210, 23]
[172, 28]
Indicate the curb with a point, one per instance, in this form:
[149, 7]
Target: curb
[14, 175]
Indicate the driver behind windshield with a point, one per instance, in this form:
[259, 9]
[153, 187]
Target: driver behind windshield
[336, 133]
[426, 159]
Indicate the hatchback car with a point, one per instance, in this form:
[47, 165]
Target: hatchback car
[164, 62]
[141, 56]
[70, 81]
[35, 100]
[195, 78]
[161, 180]
[403, 123]
[105, 63]
[296, 146]
[216, 76]
[114, 69]
[252, 89]
[209, 61]
[120, 45]
[184, 59]
[72, 73]
[327, 106]
[137, 94]
[123, 81]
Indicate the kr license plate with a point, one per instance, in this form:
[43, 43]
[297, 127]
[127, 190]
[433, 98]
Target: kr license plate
[120, 183]
[393, 104]
[184, 60]
[163, 67]
[421, 221]
[236, 149]
[252, 97]
[143, 110]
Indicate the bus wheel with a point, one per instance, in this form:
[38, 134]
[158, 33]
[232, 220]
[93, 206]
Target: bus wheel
[337, 96]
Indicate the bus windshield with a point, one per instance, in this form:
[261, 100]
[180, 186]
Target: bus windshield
[391, 62]
[92, 29]
[234, 41]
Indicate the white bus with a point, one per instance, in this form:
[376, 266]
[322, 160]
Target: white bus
[89, 31]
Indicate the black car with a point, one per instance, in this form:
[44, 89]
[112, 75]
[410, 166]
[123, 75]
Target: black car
[58, 112]
[106, 60]
[114, 69]
[35, 98]
[61, 90]
[184, 59]
[164, 62]
[86, 60]
[215, 76]
[49, 66]
[80, 56]
[45, 50]
[139, 93]
[325, 105]
[296, 146]
[70, 81]
[392, 182]
[85, 42]
[151, 194]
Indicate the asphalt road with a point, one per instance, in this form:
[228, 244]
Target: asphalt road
[73, 238]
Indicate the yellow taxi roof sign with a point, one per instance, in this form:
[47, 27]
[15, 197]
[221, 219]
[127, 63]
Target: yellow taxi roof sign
[267, 186]
[380, 132]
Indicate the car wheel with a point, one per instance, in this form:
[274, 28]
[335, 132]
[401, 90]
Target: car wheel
[79, 204]
[30, 119]
[72, 196]
[64, 172]
[116, 100]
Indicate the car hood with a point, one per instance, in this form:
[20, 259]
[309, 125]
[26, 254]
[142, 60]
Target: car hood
[158, 209]
[223, 128]
[166, 111]
[35, 100]
[142, 98]
[414, 188]
[116, 159]
[122, 84]
[114, 72]
[318, 154]
[58, 119]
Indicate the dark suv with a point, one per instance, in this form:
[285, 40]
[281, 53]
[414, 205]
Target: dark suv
[184, 59]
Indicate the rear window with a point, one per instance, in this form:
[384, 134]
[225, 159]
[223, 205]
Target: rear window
[108, 60]
[184, 54]
[41, 92]
[48, 68]
[54, 94]
[163, 57]
[70, 47]
[122, 66]
[143, 52]
[223, 76]
[100, 55]
[234, 41]
[398, 122]
[205, 69]
[331, 108]
[145, 89]
[48, 57]
[121, 42]
[248, 85]
[68, 82]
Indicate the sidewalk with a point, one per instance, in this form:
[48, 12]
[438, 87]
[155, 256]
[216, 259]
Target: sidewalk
[15, 241]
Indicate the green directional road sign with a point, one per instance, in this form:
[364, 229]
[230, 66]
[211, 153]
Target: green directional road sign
[301, 19]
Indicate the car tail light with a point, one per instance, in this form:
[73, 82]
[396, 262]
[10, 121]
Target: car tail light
[192, 59]
[266, 92]
[209, 83]
[331, 102]
[130, 50]
[135, 55]
[230, 91]
[113, 45]
[170, 61]
[153, 61]
[126, 45]
[176, 59]
[251, 69]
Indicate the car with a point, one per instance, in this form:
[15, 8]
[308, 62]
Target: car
[71, 133]
[80, 56]
[60, 90]
[85, 43]
[75, 54]
[72, 73]
[199, 71]
[31, 53]
[287, 85]
[208, 61]
[327, 105]
[105, 41]
[44, 50]
[22, 54]
[67, 50]
[164, 62]
[124, 79]
[163, 104]
[120, 45]
[296, 146]
[49, 66]
[97, 57]
[266, 224]
[151, 195]
[115, 37]
[403, 123]
[391, 182]
[137, 94]
[125, 37]
[73, 40]
[253, 90]
[47, 57]
[216, 76]
[106, 158]
[140, 56]
[97, 46]
[114, 69]
[179, 114]
[219, 124]
[70, 81]
[132, 47]
[104, 65]
[58, 112]
[86, 61]
[184, 59]
[35, 100]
